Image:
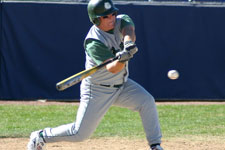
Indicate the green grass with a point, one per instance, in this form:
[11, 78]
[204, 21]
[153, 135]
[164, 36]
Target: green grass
[205, 120]
[175, 120]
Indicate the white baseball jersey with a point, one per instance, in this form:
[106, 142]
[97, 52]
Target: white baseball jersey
[112, 42]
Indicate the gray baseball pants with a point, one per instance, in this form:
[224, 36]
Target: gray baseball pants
[94, 103]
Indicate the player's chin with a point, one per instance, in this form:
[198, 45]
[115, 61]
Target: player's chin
[111, 28]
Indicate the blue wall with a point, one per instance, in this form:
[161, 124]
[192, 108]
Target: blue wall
[42, 44]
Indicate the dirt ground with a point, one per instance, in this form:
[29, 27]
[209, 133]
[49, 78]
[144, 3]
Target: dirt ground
[117, 143]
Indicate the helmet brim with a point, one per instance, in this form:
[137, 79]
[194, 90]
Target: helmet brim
[108, 12]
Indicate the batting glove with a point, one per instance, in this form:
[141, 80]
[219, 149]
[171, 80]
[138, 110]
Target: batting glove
[124, 56]
[131, 47]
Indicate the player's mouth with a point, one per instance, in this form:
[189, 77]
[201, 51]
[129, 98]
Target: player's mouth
[111, 24]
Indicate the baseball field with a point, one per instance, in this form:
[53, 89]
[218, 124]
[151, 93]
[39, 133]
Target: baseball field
[185, 126]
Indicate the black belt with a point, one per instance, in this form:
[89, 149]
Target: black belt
[115, 86]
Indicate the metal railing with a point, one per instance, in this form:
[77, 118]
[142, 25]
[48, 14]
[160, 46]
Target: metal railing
[176, 0]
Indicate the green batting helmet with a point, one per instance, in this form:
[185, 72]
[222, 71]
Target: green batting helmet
[98, 8]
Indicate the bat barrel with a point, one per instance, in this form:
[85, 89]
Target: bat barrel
[60, 87]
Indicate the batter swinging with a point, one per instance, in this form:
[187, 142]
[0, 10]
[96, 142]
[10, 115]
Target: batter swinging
[111, 35]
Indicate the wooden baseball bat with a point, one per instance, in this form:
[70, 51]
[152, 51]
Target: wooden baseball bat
[76, 78]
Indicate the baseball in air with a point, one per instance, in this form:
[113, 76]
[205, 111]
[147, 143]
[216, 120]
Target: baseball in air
[173, 74]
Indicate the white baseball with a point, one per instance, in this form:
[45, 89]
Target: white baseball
[173, 74]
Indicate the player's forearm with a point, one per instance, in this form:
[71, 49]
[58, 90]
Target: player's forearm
[115, 66]
[129, 33]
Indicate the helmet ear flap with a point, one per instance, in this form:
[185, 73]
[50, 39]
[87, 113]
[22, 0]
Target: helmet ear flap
[96, 21]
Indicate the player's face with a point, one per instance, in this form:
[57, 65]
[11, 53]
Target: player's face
[107, 22]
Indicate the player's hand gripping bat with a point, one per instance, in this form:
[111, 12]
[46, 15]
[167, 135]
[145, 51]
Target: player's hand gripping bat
[74, 79]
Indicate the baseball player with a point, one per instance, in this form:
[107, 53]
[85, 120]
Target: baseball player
[111, 35]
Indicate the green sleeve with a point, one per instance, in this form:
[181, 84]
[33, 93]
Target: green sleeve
[97, 51]
[125, 21]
